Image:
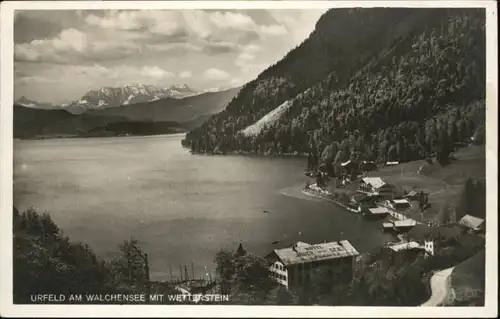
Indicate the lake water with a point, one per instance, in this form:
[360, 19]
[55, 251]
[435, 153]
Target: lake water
[181, 207]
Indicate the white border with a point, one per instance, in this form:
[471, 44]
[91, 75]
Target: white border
[9, 310]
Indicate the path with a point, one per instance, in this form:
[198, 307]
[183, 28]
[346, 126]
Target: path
[440, 286]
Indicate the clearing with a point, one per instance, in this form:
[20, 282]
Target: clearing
[468, 281]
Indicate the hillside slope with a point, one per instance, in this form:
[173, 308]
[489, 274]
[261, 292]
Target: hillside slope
[39, 123]
[32, 122]
[381, 83]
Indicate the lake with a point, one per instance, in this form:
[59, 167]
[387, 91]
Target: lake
[181, 207]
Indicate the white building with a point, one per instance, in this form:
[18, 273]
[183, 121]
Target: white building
[428, 246]
[293, 266]
[375, 186]
[472, 222]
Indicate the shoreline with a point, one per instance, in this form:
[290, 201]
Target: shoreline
[325, 197]
[65, 137]
[249, 154]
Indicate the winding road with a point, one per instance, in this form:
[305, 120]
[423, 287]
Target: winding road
[440, 286]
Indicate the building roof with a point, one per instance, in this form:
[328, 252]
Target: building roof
[401, 201]
[375, 182]
[411, 194]
[392, 163]
[379, 210]
[471, 222]
[405, 223]
[306, 253]
[346, 163]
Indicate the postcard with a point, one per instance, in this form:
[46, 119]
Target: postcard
[249, 158]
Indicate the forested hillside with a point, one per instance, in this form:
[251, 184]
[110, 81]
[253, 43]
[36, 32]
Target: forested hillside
[379, 84]
[32, 122]
[46, 261]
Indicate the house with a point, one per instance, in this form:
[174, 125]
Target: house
[404, 224]
[378, 211]
[431, 236]
[399, 204]
[399, 225]
[292, 266]
[404, 246]
[375, 186]
[427, 246]
[412, 195]
[473, 223]
[391, 163]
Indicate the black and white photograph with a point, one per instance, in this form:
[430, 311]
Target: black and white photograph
[284, 153]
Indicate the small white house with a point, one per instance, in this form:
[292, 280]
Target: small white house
[472, 222]
[399, 204]
[374, 186]
[429, 247]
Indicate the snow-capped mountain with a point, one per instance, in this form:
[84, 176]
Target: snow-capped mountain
[129, 94]
[24, 101]
[181, 91]
[217, 89]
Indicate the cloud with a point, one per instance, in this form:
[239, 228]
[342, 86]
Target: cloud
[216, 74]
[67, 42]
[156, 73]
[217, 32]
[235, 82]
[119, 74]
[74, 46]
[61, 54]
[273, 30]
[185, 74]
[141, 32]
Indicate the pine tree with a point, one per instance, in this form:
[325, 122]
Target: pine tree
[467, 199]
[240, 251]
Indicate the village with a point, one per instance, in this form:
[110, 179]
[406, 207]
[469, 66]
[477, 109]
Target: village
[408, 210]
[400, 210]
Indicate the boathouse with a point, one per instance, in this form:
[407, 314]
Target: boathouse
[293, 266]
[378, 211]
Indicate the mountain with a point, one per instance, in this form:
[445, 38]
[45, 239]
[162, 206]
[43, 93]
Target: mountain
[216, 89]
[24, 101]
[371, 83]
[168, 115]
[32, 122]
[129, 94]
[37, 123]
[180, 91]
[193, 110]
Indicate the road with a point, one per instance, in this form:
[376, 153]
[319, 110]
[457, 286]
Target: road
[440, 286]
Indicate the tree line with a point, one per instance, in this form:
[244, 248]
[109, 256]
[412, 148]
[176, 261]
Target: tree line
[46, 261]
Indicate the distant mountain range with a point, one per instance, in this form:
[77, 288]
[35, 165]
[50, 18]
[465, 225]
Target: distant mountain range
[117, 96]
[24, 101]
[156, 115]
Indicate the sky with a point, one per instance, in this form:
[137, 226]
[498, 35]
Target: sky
[60, 55]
